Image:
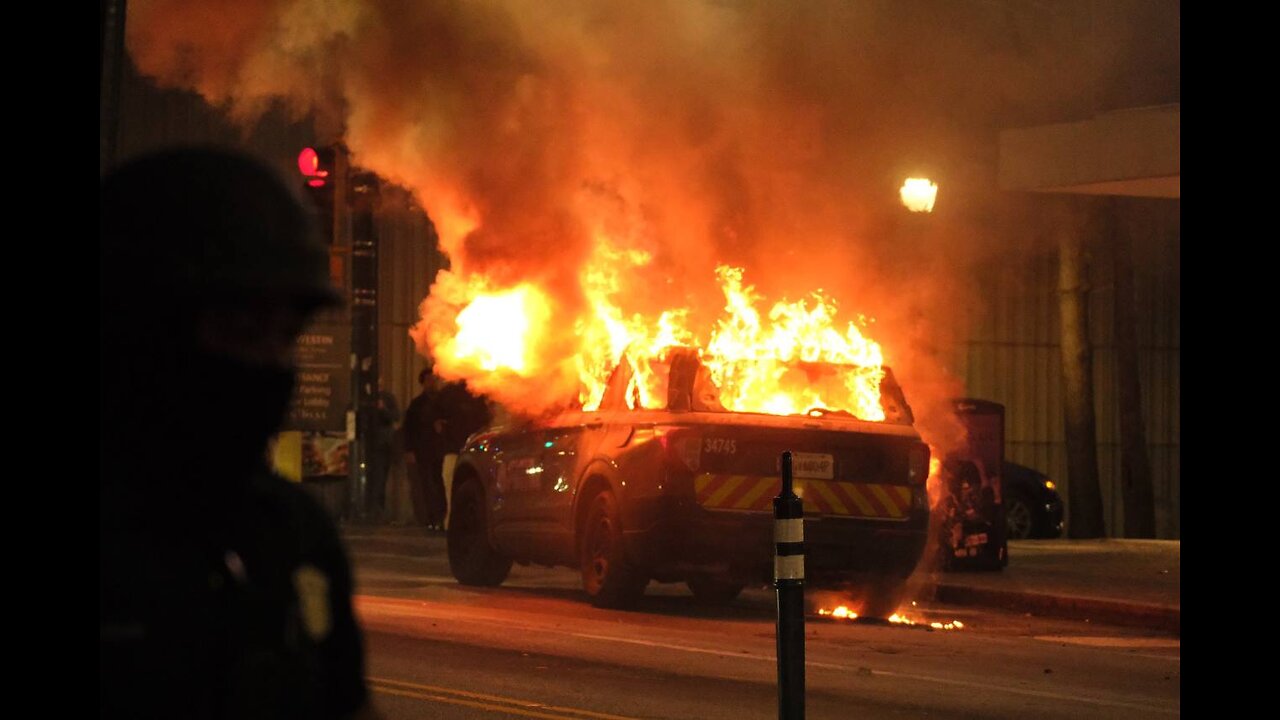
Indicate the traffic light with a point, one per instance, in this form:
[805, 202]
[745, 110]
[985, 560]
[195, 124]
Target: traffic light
[319, 168]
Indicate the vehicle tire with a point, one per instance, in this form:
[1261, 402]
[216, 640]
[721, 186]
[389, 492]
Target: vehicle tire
[472, 559]
[610, 581]
[1019, 518]
[714, 591]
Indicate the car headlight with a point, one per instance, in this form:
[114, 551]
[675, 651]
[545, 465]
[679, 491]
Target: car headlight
[1050, 485]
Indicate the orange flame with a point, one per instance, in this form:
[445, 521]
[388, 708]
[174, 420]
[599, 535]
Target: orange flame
[493, 331]
[794, 358]
[933, 483]
[606, 335]
[755, 364]
[842, 612]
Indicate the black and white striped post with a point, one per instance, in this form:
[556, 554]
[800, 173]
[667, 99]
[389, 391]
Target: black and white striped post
[788, 579]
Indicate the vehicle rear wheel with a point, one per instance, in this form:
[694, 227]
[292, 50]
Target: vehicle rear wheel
[608, 578]
[714, 591]
[1018, 517]
[472, 559]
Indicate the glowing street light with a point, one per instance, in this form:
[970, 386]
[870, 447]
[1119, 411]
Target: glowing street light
[918, 194]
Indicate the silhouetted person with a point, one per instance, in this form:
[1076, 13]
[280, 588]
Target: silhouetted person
[224, 590]
[420, 438]
[443, 416]
[385, 415]
[455, 415]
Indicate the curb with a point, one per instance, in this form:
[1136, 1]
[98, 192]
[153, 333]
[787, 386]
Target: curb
[412, 545]
[1144, 615]
[1118, 612]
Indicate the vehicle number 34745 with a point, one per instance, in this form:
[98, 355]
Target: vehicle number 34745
[723, 446]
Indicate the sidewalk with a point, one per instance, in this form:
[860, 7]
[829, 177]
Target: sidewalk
[1128, 582]
[1125, 582]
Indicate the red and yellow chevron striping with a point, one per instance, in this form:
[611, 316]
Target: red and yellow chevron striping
[825, 497]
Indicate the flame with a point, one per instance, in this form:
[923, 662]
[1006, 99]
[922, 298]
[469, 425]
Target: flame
[606, 334]
[933, 483]
[789, 360]
[494, 330]
[898, 618]
[841, 612]
[755, 364]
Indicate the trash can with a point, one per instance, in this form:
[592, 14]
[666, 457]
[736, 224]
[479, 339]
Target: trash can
[971, 509]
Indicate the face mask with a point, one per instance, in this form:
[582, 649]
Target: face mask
[235, 407]
[184, 434]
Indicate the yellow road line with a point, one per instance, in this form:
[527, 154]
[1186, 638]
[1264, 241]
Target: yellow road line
[482, 700]
[467, 703]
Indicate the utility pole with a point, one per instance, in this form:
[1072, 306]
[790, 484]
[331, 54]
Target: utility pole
[362, 193]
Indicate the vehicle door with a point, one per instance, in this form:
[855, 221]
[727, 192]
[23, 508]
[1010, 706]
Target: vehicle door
[517, 461]
[566, 448]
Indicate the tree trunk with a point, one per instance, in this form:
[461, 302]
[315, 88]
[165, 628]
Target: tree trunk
[1138, 493]
[1084, 493]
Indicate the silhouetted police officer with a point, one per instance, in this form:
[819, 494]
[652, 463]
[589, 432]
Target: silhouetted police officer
[224, 590]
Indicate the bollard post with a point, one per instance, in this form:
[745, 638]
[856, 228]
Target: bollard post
[788, 579]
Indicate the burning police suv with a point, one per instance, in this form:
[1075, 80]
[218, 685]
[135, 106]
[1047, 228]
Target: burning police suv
[662, 481]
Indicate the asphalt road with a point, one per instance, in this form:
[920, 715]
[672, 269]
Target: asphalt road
[535, 648]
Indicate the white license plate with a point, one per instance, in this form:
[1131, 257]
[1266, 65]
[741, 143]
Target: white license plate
[817, 466]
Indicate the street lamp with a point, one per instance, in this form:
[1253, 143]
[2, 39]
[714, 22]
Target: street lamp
[918, 194]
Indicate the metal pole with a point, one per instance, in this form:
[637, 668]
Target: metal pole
[788, 579]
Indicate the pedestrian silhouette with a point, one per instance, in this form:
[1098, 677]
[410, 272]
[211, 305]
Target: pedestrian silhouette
[437, 423]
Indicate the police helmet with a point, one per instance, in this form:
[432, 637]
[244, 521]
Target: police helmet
[205, 223]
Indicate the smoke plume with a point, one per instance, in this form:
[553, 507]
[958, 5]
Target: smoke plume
[767, 135]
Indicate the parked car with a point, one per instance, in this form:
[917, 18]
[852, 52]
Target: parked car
[1032, 506]
[684, 494]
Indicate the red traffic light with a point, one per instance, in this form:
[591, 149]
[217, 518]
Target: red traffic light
[309, 164]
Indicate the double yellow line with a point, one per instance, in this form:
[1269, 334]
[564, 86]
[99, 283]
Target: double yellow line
[492, 703]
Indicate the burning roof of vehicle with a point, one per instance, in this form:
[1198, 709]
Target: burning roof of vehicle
[793, 358]
[680, 379]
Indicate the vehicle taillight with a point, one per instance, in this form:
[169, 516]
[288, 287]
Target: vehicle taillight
[682, 446]
[918, 465]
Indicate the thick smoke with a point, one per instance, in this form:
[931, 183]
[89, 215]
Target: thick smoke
[771, 135]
